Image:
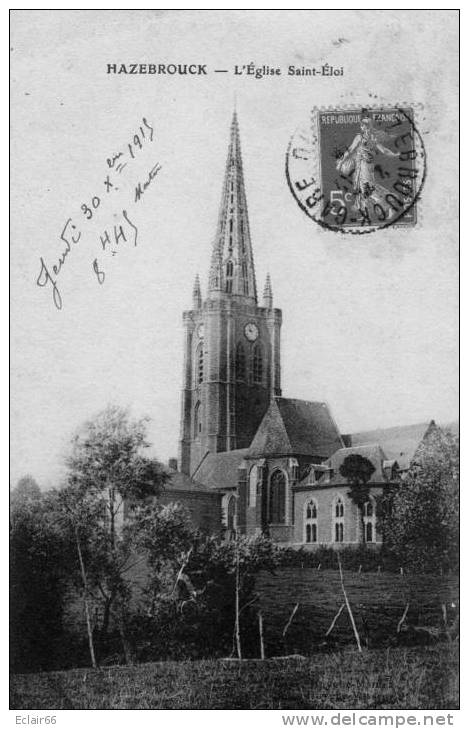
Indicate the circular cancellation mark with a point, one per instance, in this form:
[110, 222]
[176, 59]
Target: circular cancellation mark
[358, 170]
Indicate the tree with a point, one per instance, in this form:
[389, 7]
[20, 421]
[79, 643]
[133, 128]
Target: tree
[420, 521]
[206, 604]
[27, 490]
[358, 470]
[109, 476]
[38, 579]
[81, 518]
[225, 574]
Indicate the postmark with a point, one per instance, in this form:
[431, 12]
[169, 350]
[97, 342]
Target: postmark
[358, 170]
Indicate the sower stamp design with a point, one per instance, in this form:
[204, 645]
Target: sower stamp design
[358, 170]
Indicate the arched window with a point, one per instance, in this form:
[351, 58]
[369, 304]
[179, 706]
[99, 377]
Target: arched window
[339, 508]
[231, 514]
[197, 421]
[311, 522]
[252, 486]
[257, 364]
[240, 363]
[338, 520]
[369, 521]
[199, 364]
[229, 277]
[277, 493]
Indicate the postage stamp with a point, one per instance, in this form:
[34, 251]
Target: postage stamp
[358, 170]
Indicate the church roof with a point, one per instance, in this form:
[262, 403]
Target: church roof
[220, 470]
[182, 482]
[398, 443]
[372, 452]
[296, 427]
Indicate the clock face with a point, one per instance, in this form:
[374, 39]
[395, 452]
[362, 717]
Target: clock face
[200, 330]
[251, 331]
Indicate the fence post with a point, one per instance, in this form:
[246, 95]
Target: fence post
[261, 634]
[335, 619]
[355, 631]
[401, 621]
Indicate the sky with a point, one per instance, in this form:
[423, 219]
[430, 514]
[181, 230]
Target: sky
[369, 322]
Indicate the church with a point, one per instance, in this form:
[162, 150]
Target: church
[250, 459]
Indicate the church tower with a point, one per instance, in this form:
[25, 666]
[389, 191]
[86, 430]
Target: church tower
[231, 344]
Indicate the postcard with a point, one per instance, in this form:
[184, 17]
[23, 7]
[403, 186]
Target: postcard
[234, 392]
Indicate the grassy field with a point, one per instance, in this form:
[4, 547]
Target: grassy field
[393, 678]
[378, 601]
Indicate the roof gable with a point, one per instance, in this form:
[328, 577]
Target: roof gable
[271, 436]
[296, 427]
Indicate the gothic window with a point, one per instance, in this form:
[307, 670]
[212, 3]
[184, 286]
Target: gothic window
[231, 514]
[311, 522]
[338, 520]
[197, 421]
[369, 521]
[229, 277]
[257, 364]
[199, 363]
[311, 510]
[252, 486]
[277, 494]
[339, 508]
[240, 362]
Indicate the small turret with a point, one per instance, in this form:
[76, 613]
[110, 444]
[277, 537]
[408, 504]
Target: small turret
[267, 295]
[196, 294]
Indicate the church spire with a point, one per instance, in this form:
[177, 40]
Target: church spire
[232, 266]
